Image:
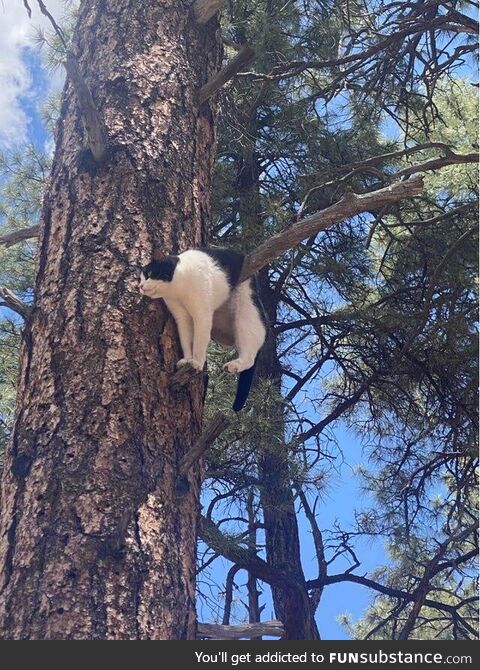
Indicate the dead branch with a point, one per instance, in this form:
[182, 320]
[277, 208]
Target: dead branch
[350, 205]
[13, 302]
[216, 426]
[213, 631]
[244, 56]
[389, 157]
[204, 9]
[16, 236]
[183, 376]
[55, 25]
[27, 7]
[94, 127]
[294, 68]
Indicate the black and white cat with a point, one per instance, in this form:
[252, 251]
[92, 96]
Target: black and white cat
[202, 291]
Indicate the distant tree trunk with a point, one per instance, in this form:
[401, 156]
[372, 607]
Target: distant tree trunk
[282, 541]
[94, 542]
[292, 606]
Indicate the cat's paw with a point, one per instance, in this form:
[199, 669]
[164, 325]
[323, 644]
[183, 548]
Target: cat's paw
[233, 367]
[196, 365]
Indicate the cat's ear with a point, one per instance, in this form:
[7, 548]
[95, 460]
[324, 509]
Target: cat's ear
[158, 255]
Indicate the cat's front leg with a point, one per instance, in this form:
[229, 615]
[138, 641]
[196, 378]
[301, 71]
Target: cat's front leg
[202, 329]
[185, 330]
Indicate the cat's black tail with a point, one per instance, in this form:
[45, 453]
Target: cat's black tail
[243, 387]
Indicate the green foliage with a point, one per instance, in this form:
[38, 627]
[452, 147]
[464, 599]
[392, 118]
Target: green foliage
[23, 173]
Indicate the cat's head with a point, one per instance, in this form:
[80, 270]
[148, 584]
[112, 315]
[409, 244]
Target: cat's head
[156, 277]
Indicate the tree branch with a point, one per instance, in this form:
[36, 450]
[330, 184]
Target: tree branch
[228, 548]
[13, 302]
[216, 426]
[244, 56]
[183, 376]
[94, 127]
[205, 9]
[435, 163]
[386, 590]
[247, 630]
[350, 205]
[229, 586]
[10, 239]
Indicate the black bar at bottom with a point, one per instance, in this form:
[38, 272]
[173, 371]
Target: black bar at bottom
[216, 655]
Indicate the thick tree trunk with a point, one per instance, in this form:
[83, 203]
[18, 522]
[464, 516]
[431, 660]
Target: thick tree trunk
[94, 542]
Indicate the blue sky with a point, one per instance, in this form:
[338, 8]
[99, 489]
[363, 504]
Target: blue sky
[22, 82]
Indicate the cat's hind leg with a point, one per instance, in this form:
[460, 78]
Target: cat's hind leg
[249, 330]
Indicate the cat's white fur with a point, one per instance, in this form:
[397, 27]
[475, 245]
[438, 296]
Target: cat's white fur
[205, 307]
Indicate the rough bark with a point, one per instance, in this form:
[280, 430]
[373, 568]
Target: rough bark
[253, 607]
[94, 542]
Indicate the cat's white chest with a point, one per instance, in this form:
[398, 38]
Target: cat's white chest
[199, 281]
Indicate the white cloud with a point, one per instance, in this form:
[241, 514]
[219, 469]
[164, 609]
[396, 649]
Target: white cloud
[16, 31]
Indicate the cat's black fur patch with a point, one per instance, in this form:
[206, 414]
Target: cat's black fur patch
[230, 261]
[257, 301]
[163, 269]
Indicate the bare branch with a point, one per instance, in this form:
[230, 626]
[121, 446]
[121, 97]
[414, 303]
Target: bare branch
[419, 597]
[216, 426]
[183, 376]
[381, 588]
[27, 7]
[244, 56]
[205, 9]
[94, 127]
[55, 25]
[13, 302]
[213, 631]
[350, 205]
[435, 163]
[10, 239]
[295, 68]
